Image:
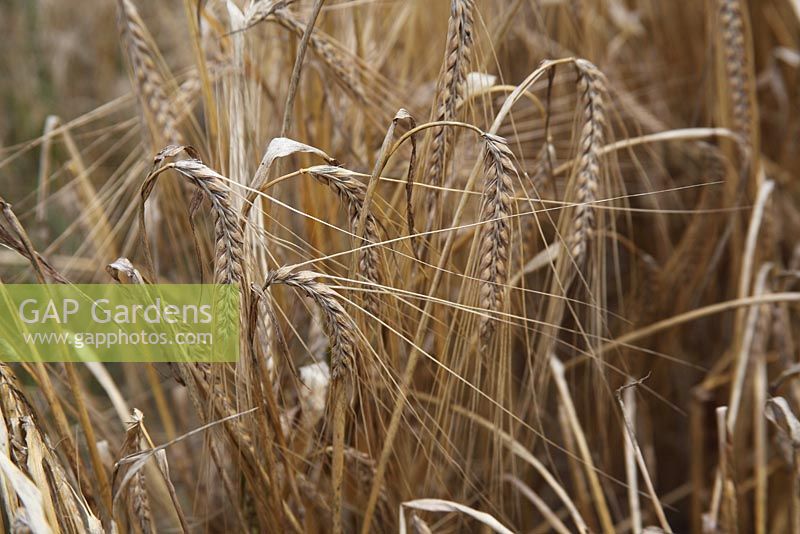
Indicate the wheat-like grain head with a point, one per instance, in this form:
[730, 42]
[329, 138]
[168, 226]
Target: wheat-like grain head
[735, 49]
[496, 231]
[452, 85]
[451, 92]
[150, 84]
[351, 193]
[591, 84]
[229, 250]
[339, 326]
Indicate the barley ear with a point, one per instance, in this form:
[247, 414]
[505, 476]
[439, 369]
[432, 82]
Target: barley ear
[591, 83]
[149, 83]
[343, 335]
[496, 229]
[451, 92]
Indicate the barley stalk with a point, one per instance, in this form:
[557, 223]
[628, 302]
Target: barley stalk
[343, 335]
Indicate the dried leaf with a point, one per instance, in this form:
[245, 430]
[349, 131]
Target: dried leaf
[439, 505]
[280, 147]
[28, 493]
[780, 414]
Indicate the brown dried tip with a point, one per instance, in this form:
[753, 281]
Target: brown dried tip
[123, 271]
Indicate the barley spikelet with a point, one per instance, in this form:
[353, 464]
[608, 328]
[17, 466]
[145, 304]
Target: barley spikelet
[339, 326]
[351, 193]
[591, 83]
[496, 234]
[150, 83]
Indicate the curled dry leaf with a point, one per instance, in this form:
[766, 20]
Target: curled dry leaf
[781, 415]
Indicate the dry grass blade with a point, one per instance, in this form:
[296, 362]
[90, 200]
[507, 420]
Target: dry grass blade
[32, 470]
[17, 239]
[631, 441]
[440, 505]
[600, 502]
[552, 519]
[31, 515]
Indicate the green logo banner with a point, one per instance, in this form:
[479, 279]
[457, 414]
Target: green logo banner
[119, 323]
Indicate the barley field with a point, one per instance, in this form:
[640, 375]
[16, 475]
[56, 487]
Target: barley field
[503, 265]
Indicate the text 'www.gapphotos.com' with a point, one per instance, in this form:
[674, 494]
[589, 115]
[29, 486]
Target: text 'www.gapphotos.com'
[110, 339]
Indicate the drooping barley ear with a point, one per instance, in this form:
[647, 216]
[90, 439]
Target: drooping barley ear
[149, 83]
[351, 193]
[229, 253]
[343, 335]
[451, 91]
[591, 83]
[338, 324]
[16, 238]
[496, 229]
